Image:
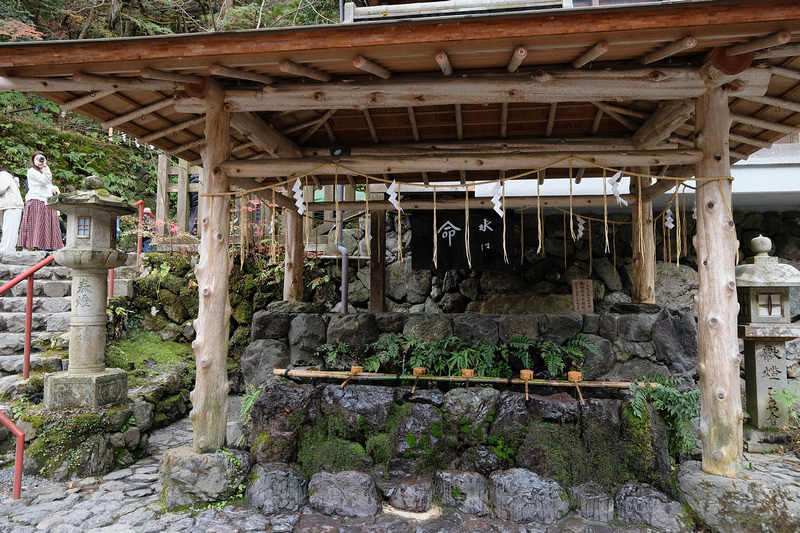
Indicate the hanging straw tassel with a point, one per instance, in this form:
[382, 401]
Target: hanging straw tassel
[435, 234]
[605, 210]
[466, 227]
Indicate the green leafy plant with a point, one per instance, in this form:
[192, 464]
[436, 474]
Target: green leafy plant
[571, 355]
[520, 346]
[677, 407]
[330, 352]
[790, 399]
[248, 399]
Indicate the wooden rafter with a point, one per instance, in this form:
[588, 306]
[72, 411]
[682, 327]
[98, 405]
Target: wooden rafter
[300, 70]
[172, 129]
[362, 63]
[239, 74]
[590, 55]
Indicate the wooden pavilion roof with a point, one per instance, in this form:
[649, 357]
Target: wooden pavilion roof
[443, 99]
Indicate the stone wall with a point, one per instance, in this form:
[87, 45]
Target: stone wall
[632, 340]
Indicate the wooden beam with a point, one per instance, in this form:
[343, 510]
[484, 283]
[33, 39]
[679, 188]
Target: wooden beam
[362, 63]
[765, 124]
[609, 110]
[503, 120]
[412, 120]
[451, 204]
[172, 129]
[716, 300]
[786, 72]
[543, 87]
[153, 74]
[444, 162]
[186, 147]
[775, 102]
[377, 252]
[372, 131]
[591, 54]
[749, 140]
[264, 135]
[459, 122]
[519, 55]
[85, 83]
[137, 113]
[444, 62]
[228, 72]
[670, 50]
[662, 123]
[249, 184]
[787, 50]
[93, 96]
[314, 127]
[115, 82]
[551, 119]
[596, 122]
[642, 242]
[775, 39]
[209, 398]
[300, 70]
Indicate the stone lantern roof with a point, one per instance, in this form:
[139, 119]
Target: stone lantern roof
[99, 199]
[762, 270]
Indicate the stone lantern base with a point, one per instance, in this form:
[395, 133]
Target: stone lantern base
[103, 389]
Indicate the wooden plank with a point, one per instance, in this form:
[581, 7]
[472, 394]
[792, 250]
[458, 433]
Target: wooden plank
[445, 162]
[162, 199]
[182, 215]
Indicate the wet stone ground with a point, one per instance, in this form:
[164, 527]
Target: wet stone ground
[129, 501]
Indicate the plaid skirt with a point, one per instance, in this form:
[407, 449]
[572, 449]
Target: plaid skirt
[39, 228]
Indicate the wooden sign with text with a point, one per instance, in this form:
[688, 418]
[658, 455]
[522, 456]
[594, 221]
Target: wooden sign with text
[582, 296]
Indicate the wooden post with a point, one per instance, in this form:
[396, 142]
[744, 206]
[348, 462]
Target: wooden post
[162, 196]
[293, 264]
[246, 219]
[643, 244]
[717, 306]
[377, 263]
[183, 196]
[210, 396]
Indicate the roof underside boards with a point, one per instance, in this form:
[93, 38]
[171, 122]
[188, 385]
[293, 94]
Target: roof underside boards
[446, 99]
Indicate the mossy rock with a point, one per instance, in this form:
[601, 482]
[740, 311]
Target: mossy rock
[63, 440]
[172, 305]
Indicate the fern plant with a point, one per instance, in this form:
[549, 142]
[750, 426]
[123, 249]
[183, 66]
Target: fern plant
[569, 356]
[519, 346]
[676, 407]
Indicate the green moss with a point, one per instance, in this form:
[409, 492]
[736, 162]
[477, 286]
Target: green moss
[379, 447]
[640, 459]
[144, 355]
[64, 439]
[317, 453]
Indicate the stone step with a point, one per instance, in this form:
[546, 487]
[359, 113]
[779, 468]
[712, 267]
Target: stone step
[41, 304]
[12, 364]
[15, 322]
[14, 343]
[26, 259]
[55, 273]
[41, 288]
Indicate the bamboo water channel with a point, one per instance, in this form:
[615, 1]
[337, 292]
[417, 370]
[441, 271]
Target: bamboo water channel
[358, 375]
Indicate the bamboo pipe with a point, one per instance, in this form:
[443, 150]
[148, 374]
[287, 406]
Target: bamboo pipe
[376, 376]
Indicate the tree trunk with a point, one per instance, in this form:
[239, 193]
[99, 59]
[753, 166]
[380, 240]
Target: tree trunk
[643, 244]
[210, 397]
[717, 306]
[293, 264]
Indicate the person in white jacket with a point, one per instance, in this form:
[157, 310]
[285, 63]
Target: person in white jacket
[11, 208]
[40, 229]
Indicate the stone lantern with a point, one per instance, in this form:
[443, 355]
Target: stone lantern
[90, 252]
[765, 325]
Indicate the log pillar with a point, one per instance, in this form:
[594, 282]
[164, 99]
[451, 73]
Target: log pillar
[643, 243]
[716, 301]
[293, 263]
[209, 398]
[377, 262]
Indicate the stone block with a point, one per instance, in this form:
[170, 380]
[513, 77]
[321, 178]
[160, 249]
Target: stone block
[593, 502]
[123, 287]
[57, 305]
[58, 322]
[56, 289]
[104, 389]
[276, 488]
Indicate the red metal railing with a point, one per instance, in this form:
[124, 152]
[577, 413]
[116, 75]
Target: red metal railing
[12, 427]
[26, 365]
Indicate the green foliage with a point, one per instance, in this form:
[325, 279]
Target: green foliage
[248, 399]
[790, 399]
[570, 355]
[330, 352]
[519, 346]
[64, 438]
[676, 407]
[128, 173]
